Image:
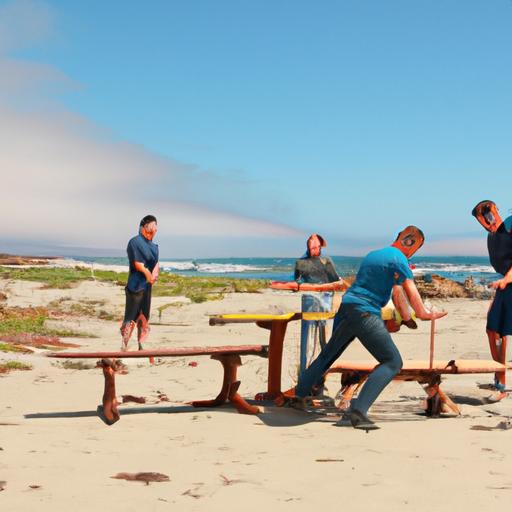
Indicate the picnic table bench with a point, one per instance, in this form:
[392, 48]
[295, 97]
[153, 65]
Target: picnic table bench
[426, 373]
[228, 356]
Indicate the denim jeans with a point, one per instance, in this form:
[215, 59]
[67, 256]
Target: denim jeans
[352, 322]
[312, 303]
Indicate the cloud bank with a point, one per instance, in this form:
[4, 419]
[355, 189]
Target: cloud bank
[69, 183]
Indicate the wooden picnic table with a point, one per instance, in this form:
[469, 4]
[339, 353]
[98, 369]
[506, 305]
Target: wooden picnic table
[277, 325]
[228, 356]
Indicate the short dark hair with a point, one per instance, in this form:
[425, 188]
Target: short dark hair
[147, 219]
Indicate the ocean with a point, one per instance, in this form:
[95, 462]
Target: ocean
[457, 268]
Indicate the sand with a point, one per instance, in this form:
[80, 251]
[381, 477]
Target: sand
[56, 454]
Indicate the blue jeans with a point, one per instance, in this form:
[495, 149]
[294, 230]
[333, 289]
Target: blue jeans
[352, 322]
[316, 303]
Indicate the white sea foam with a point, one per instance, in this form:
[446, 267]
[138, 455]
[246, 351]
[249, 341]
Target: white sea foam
[170, 266]
[224, 268]
[208, 268]
[448, 267]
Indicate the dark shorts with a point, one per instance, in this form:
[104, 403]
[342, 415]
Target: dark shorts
[499, 318]
[137, 303]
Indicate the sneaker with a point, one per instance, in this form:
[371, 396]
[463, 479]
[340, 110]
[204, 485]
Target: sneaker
[344, 421]
[498, 386]
[361, 421]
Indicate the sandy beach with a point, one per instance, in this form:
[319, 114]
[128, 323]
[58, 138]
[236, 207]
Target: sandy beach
[56, 453]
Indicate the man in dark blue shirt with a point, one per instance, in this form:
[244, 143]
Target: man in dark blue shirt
[499, 317]
[360, 316]
[144, 268]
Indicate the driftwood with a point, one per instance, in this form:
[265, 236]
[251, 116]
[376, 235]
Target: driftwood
[142, 477]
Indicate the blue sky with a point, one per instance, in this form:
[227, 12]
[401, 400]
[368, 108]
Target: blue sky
[244, 126]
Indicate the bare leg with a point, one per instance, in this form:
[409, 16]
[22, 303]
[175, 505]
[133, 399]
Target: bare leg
[142, 330]
[126, 332]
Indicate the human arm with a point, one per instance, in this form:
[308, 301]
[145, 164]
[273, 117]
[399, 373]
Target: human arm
[139, 267]
[402, 306]
[503, 282]
[155, 273]
[414, 298]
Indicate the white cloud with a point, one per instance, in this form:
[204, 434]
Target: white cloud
[69, 182]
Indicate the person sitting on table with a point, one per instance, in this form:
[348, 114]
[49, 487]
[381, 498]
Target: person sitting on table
[360, 316]
[316, 269]
[144, 268]
[499, 316]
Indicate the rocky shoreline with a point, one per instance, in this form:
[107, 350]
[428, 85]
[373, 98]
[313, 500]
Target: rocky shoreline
[436, 286]
[12, 259]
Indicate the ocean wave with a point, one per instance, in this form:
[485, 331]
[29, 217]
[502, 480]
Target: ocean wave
[450, 267]
[170, 266]
[209, 268]
[224, 268]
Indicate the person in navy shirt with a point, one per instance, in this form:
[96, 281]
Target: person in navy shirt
[499, 317]
[360, 316]
[144, 268]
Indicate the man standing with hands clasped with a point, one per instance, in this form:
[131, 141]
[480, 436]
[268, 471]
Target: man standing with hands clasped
[499, 317]
[144, 268]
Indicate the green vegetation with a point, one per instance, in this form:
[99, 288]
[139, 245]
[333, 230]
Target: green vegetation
[197, 289]
[14, 365]
[201, 289]
[69, 306]
[33, 321]
[62, 277]
[9, 347]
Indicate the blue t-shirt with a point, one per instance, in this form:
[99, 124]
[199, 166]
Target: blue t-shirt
[146, 252]
[379, 272]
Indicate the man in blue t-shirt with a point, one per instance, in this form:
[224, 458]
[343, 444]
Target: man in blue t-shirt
[360, 317]
[144, 268]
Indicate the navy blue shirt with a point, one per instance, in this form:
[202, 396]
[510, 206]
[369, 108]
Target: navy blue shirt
[499, 245]
[379, 272]
[146, 252]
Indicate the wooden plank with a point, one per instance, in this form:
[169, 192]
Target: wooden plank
[252, 318]
[438, 366]
[259, 350]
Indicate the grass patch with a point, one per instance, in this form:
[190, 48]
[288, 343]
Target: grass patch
[9, 347]
[197, 289]
[89, 308]
[15, 321]
[14, 365]
[62, 277]
[201, 289]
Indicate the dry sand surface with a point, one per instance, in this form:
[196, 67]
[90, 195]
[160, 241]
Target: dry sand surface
[56, 454]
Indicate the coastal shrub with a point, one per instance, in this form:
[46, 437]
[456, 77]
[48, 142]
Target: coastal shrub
[63, 277]
[14, 365]
[167, 285]
[32, 321]
[9, 347]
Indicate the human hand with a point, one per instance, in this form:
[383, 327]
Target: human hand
[500, 283]
[434, 315]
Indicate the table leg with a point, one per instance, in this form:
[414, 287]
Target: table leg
[109, 412]
[275, 360]
[230, 385]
